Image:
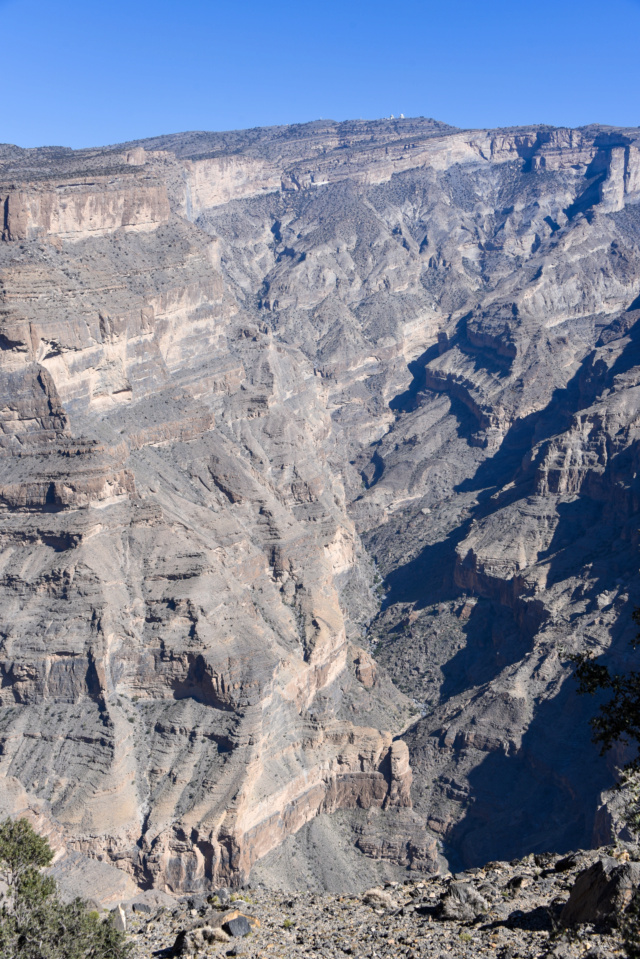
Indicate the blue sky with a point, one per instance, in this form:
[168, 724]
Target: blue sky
[90, 73]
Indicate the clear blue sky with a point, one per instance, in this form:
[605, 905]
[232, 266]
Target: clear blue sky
[103, 71]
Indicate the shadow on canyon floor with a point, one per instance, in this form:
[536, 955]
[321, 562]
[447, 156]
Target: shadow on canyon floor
[493, 642]
[428, 578]
[544, 797]
[405, 402]
[544, 794]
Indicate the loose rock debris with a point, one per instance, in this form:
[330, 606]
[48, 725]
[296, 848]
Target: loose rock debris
[511, 910]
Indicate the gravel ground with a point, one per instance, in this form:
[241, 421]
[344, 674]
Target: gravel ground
[507, 910]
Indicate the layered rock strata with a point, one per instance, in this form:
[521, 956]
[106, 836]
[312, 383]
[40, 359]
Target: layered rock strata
[255, 385]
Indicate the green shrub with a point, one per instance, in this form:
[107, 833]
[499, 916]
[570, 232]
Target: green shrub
[34, 923]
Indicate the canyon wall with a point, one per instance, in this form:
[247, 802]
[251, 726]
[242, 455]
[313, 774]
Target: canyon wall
[317, 454]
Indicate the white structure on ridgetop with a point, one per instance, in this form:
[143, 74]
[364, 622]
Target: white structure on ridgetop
[402, 116]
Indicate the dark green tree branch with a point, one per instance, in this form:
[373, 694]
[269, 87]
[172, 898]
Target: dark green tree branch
[34, 923]
[619, 717]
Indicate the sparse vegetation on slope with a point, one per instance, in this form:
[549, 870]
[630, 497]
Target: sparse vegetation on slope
[34, 923]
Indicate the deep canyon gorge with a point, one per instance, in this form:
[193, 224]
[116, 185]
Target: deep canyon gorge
[319, 455]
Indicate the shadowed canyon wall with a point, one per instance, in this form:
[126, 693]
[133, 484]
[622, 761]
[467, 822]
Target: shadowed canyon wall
[318, 451]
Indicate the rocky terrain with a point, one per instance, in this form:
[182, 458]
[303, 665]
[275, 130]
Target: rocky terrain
[318, 455]
[542, 906]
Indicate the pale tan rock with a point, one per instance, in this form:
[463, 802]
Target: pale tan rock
[76, 210]
[119, 919]
[206, 419]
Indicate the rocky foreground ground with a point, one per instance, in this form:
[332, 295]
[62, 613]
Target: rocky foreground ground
[532, 907]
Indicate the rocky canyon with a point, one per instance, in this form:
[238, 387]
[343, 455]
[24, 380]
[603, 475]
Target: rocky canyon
[319, 456]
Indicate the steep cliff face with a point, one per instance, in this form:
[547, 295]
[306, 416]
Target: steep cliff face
[245, 376]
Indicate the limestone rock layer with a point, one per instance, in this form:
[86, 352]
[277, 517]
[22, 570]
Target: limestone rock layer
[318, 451]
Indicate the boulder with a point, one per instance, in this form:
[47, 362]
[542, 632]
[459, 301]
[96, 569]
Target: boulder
[567, 863]
[223, 919]
[190, 942]
[143, 908]
[119, 919]
[601, 892]
[238, 926]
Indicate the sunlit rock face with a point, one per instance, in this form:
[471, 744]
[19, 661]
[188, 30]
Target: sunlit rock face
[317, 453]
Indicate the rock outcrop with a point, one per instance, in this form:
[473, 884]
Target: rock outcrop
[602, 893]
[80, 209]
[317, 450]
